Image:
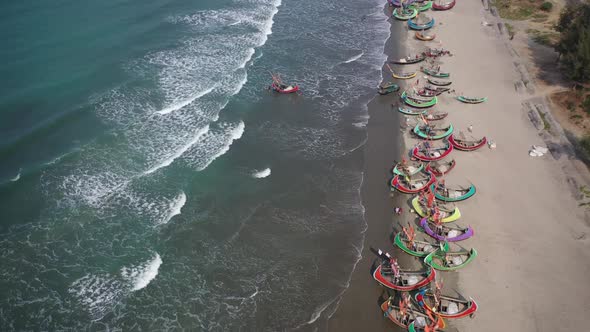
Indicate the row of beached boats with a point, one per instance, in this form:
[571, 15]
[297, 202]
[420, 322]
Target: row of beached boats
[416, 299]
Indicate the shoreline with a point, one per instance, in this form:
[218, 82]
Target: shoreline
[522, 204]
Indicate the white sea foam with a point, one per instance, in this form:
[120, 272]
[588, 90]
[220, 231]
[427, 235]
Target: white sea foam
[261, 174]
[175, 207]
[141, 276]
[354, 58]
[213, 145]
[17, 177]
[97, 293]
[183, 103]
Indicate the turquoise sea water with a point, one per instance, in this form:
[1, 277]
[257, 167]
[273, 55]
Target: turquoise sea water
[149, 180]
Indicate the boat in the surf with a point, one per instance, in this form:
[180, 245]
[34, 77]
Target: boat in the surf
[421, 6]
[438, 82]
[409, 111]
[443, 4]
[410, 59]
[405, 168]
[457, 194]
[421, 23]
[404, 75]
[467, 145]
[387, 88]
[436, 89]
[436, 116]
[389, 274]
[450, 307]
[412, 184]
[423, 36]
[431, 132]
[415, 101]
[442, 212]
[451, 260]
[435, 73]
[403, 315]
[441, 168]
[444, 232]
[404, 14]
[472, 100]
[406, 241]
[280, 87]
[430, 151]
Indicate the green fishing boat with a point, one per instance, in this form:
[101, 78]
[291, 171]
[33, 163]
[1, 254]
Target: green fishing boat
[435, 73]
[450, 261]
[452, 194]
[428, 132]
[469, 100]
[408, 169]
[426, 6]
[387, 88]
[419, 248]
[418, 104]
[405, 14]
[409, 111]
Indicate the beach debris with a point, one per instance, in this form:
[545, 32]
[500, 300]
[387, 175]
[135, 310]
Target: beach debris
[538, 151]
[486, 24]
[491, 144]
[470, 128]
[398, 210]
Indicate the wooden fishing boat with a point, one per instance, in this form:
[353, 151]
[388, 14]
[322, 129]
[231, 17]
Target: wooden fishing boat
[450, 261]
[409, 111]
[466, 145]
[472, 100]
[448, 306]
[404, 76]
[387, 88]
[443, 5]
[427, 151]
[452, 194]
[404, 14]
[445, 232]
[421, 6]
[436, 116]
[409, 59]
[426, 93]
[412, 101]
[446, 213]
[421, 99]
[398, 3]
[413, 327]
[412, 24]
[440, 168]
[431, 133]
[408, 169]
[408, 317]
[436, 89]
[420, 35]
[414, 184]
[403, 280]
[434, 73]
[416, 248]
[280, 87]
[438, 82]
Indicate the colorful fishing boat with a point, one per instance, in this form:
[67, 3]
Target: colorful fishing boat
[421, 35]
[409, 111]
[278, 85]
[421, 6]
[434, 73]
[431, 133]
[444, 232]
[441, 168]
[416, 247]
[389, 274]
[450, 261]
[404, 14]
[472, 100]
[443, 212]
[410, 59]
[416, 25]
[414, 327]
[441, 192]
[467, 145]
[387, 88]
[427, 151]
[446, 306]
[405, 168]
[436, 116]
[436, 89]
[412, 101]
[426, 93]
[404, 76]
[412, 184]
[399, 3]
[404, 316]
[443, 5]
[438, 82]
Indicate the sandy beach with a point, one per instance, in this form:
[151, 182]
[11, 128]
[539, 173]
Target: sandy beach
[531, 235]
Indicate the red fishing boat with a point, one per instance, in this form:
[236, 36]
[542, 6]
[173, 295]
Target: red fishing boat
[412, 184]
[389, 274]
[439, 168]
[278, 85]
[467, 145]
[429, 151]
[445, 306]
[443, 5]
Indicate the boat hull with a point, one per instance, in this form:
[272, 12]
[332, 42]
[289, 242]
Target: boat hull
[467, 233]
[430, 261]
[417, 169]
[457, 144]
[396, 184]
[418, 131]
[454, 216]
[459, 198]
[430, 276]
[398, 14]
[424, 26]
[468, 311]
[439, 83]
[437, 172]
[411, 112]
[417, 154]
[466, 100]
[445, 6]
[416, 104]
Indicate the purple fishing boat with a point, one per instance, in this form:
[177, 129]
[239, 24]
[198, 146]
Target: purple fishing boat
[449, 234]
[398, 3]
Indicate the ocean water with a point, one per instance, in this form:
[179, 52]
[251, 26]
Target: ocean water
[150, 181]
